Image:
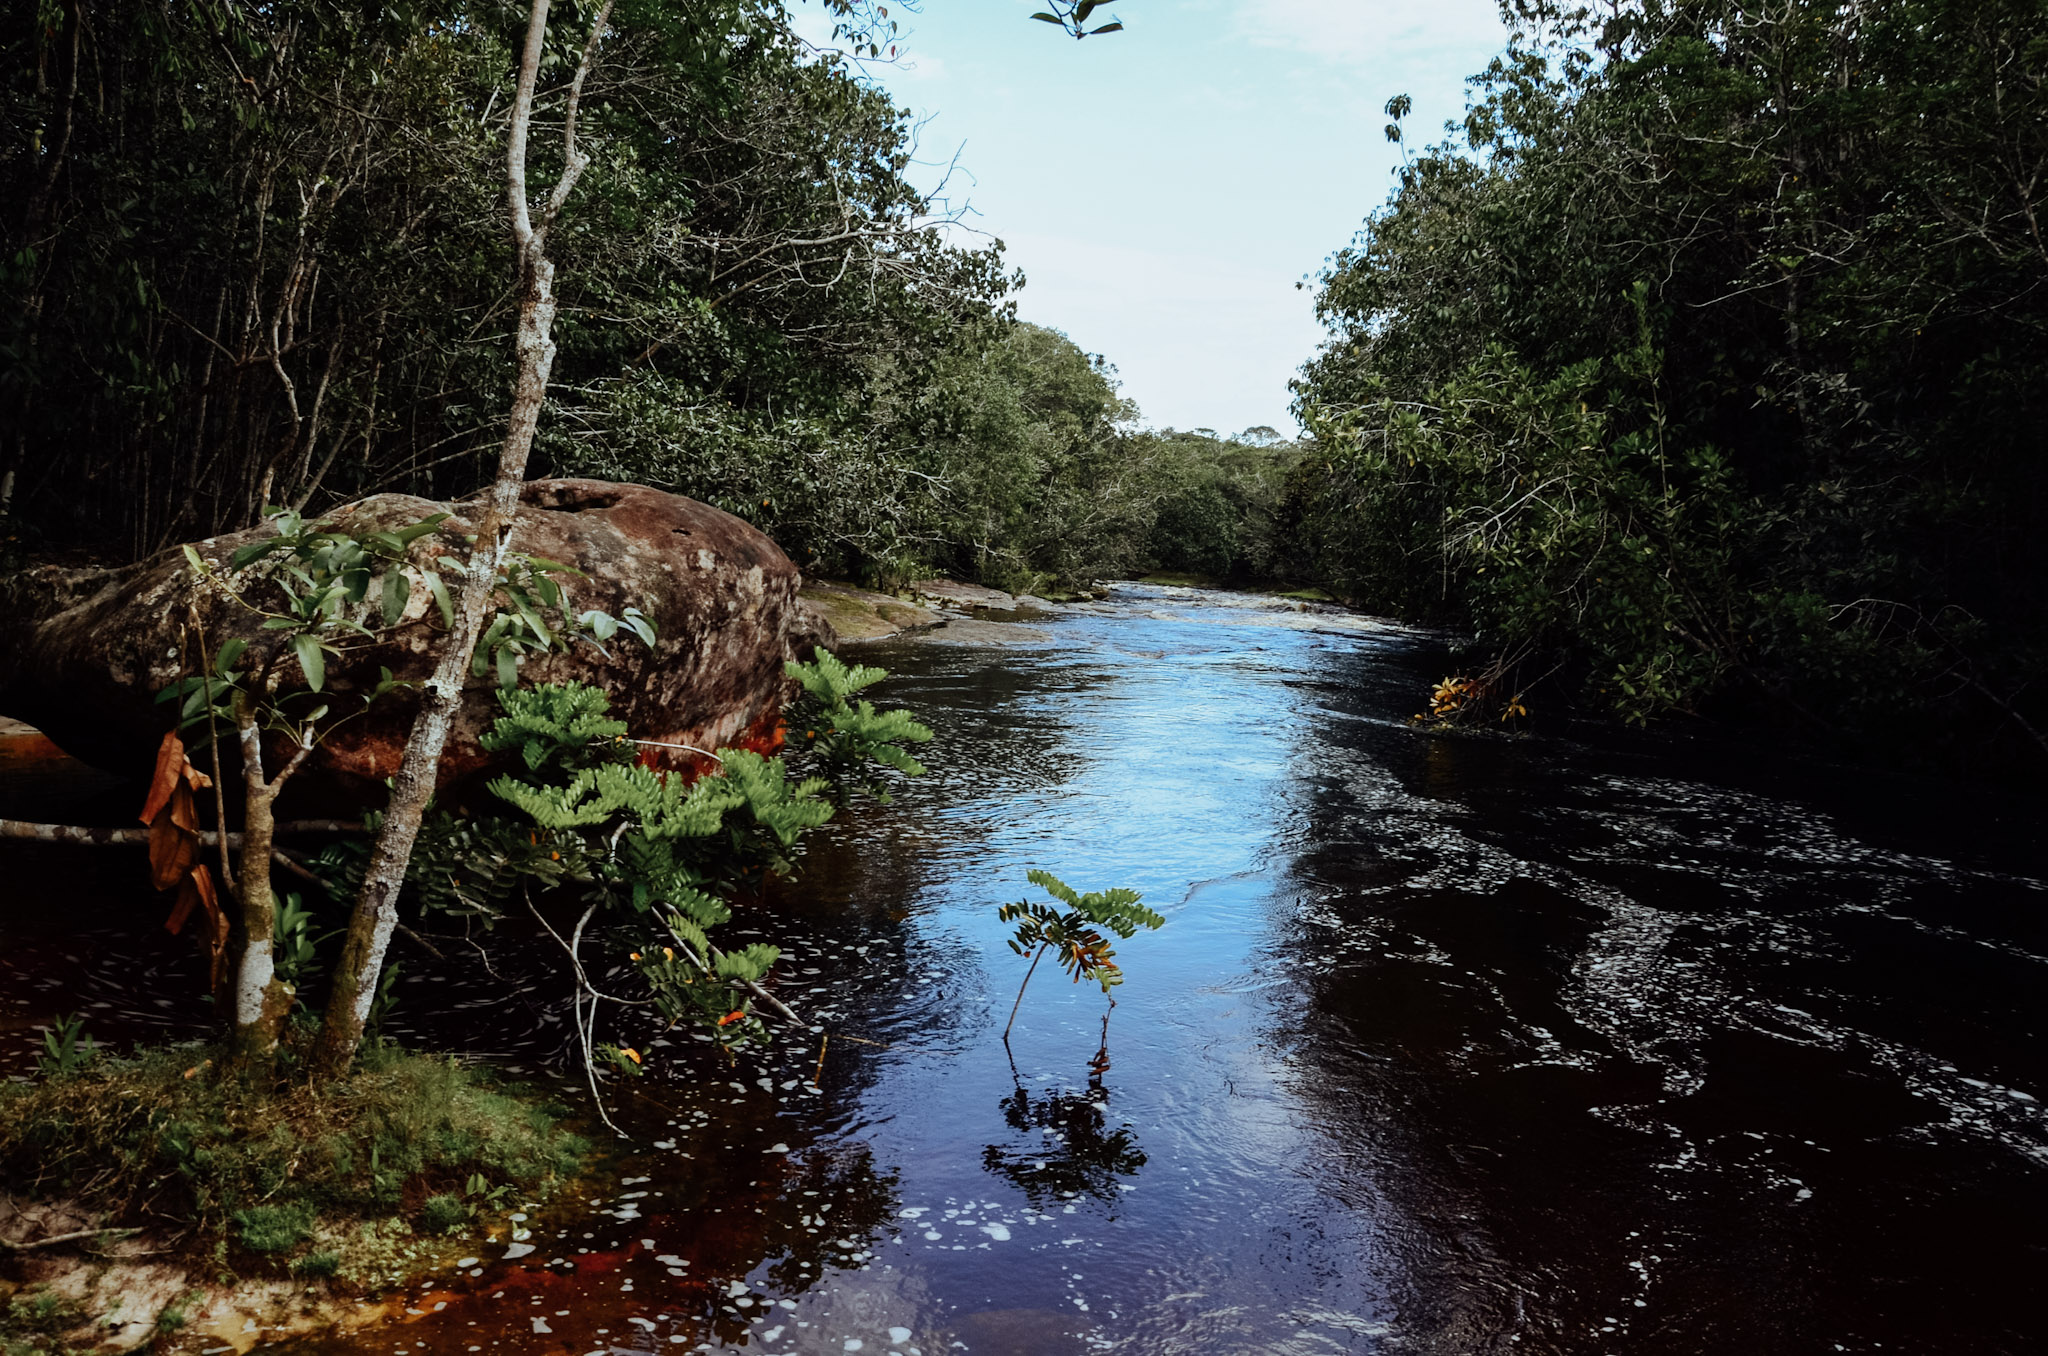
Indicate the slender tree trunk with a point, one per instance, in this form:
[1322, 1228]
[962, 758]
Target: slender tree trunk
[1036, 957]
[376, 909]
[262, 1000]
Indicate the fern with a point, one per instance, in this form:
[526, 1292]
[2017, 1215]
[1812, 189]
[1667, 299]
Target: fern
[579, 812]
[828, 680]
[844, 737]
[763, 786]
[558, 725]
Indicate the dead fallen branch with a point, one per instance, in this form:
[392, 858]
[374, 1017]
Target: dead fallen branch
[93, 836]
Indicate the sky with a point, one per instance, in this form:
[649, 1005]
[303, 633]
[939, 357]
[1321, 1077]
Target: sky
[1165, 189]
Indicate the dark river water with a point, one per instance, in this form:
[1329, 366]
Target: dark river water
[1451, 1043]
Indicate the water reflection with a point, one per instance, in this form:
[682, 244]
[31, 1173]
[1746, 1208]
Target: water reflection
[1072, 1150]
[1671, 1048]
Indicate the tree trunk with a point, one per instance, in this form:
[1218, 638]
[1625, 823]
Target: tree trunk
[262, 1000]
[376, 908]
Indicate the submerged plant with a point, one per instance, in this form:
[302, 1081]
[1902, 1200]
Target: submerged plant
[1074, 932]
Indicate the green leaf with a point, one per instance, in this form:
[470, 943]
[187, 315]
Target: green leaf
[311, 658]
[406, 536]
[396, 591]
[532, 619]
[230, 651]
[508, 668]
[486, 645]
[253, 552]
[1107, 28]
[192, 559]
[1043, 17]
[637, 622]
[439, 587]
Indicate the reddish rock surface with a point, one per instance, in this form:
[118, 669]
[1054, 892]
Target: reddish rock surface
[85, 652]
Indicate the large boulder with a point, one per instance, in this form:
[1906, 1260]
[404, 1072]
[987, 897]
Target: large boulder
[84, 654]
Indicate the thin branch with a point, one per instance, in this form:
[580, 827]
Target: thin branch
[95, 836]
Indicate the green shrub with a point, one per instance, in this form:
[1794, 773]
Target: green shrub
[443, 1214]
[274, 1228]
[41, 1311]
[323, 1263]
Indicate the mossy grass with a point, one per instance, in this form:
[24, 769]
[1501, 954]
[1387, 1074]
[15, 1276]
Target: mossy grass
[270, 1176]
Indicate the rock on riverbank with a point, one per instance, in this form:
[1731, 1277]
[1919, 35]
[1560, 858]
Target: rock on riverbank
[87, 651]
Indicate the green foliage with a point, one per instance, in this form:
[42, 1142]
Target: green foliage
[312, 585]
[316, 1265]
[41, 1310]
[1074, 932]
[293, 946]
[274, 1228]
[1071, 928]
[645, 845]
[267, 1167]
[1555, 525]
[1705, 366]
[1072, 17]
[729, 139]
[66, 1047]
[658, 854]
[443, 1214]
[529, 598]
[844, 736]
[557, 726]
[178, 1313]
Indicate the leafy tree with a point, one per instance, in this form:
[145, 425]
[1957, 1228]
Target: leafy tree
[1705, 368]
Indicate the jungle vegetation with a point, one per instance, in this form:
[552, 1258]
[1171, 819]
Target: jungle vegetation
[257, 256]
[1702, 369]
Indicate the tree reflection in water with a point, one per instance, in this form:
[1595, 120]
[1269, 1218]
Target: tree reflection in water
[1075, 1153]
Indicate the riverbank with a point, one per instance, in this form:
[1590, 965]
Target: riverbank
[950, 612]
[160, 1191]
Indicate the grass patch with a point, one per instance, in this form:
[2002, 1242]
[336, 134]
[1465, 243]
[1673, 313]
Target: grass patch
[443, 1214]
[1309, 595]
[261, 1170]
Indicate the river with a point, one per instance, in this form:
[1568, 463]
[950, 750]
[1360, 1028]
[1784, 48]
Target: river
[1578, 1042]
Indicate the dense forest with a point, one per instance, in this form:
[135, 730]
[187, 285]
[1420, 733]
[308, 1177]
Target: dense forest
[1702, 369]
[254, 255]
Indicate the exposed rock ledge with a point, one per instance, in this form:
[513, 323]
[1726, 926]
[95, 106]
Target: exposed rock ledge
[940, 609]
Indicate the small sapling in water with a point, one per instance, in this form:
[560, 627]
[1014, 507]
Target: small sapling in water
[1074, 932]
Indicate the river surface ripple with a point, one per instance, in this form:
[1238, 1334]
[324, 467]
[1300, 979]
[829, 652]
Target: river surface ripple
[1451, 1043]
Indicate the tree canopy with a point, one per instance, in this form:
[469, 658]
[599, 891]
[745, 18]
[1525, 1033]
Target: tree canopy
[1704, 364]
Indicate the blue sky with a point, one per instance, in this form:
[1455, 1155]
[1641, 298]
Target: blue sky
[1165, 188]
